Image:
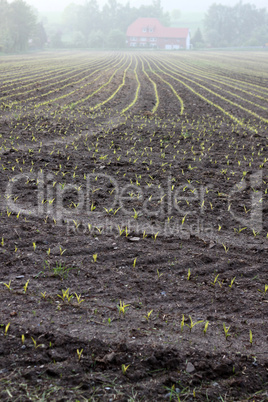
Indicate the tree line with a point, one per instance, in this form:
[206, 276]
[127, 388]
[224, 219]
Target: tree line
[92, 26]
[89, 25]
[238, 25]
[19, 27]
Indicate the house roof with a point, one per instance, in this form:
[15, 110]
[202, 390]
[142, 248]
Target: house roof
[159, 31]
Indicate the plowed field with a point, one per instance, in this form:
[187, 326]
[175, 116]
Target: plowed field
[134, 226]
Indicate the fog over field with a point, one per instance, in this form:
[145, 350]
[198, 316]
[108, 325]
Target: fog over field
[168, 5]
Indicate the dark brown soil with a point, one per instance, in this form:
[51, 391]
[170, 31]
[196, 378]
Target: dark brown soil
[163, 212]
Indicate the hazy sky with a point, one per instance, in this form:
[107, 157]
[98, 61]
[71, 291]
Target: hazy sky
[187, 6]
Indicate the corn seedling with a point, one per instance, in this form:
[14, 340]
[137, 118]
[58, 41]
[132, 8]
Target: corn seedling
[122, 307]
[124, 368]
[148, 315]
[250, 337]
[95, 257]
[65, 295]
[35, 343]
[79, 353]
[226, 331]
[225, 248]
[158, 274]
[26, 286]
[8, 285]
[78, 298]
[155, 236]
[6, 328]
[189, 274]
[206, 327]
[182, 322]
[22, 339]
[135, 216]
[62, 251]
[183, 220]
[232, 282]
[121, 231]
[192, 324]
[134, 262]
[215, 280]
[265, 288]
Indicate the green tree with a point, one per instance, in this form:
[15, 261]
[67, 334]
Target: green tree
[116, 39]
[39, 37]
[89, 17]
[233, 26]
[5, 34]
[96, 39]
[197, 40]
[21, 22]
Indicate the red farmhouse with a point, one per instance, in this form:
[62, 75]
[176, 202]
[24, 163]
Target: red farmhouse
[149, 32]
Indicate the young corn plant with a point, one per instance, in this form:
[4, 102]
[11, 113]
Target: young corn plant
[192, 324]
[65, 295]
[232, 282]
[215, 280]
[122, 308]
[35, 343]
[79, 353]
[95, 257]
[158, 274]
[148, 315]
[8, 285]
[226, 331]
[78, 298]
[206, 327]
[265, 289]
[225, 248]
[189, 274]
[6, 328]
[124, 368]
[250, 337]
[26, 286]
[182, 322]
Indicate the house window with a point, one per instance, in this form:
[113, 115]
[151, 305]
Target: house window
[133, 38]
[144, 29]
[143, 39]
[151, 29]
[152, 39]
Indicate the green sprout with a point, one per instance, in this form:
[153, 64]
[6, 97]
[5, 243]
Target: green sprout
[122, 308]
[206, 327]
[250, 337]
[192, 324]
[79, 353]
[148, 315]
[226, 331]
[124, 368]
[8, 285]
[26, 286]
[189, 274]
[232, 282]
[6, 328]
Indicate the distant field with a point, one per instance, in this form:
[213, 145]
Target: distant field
[134, 226]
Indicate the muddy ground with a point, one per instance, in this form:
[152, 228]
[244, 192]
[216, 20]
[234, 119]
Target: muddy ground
[133, 246]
